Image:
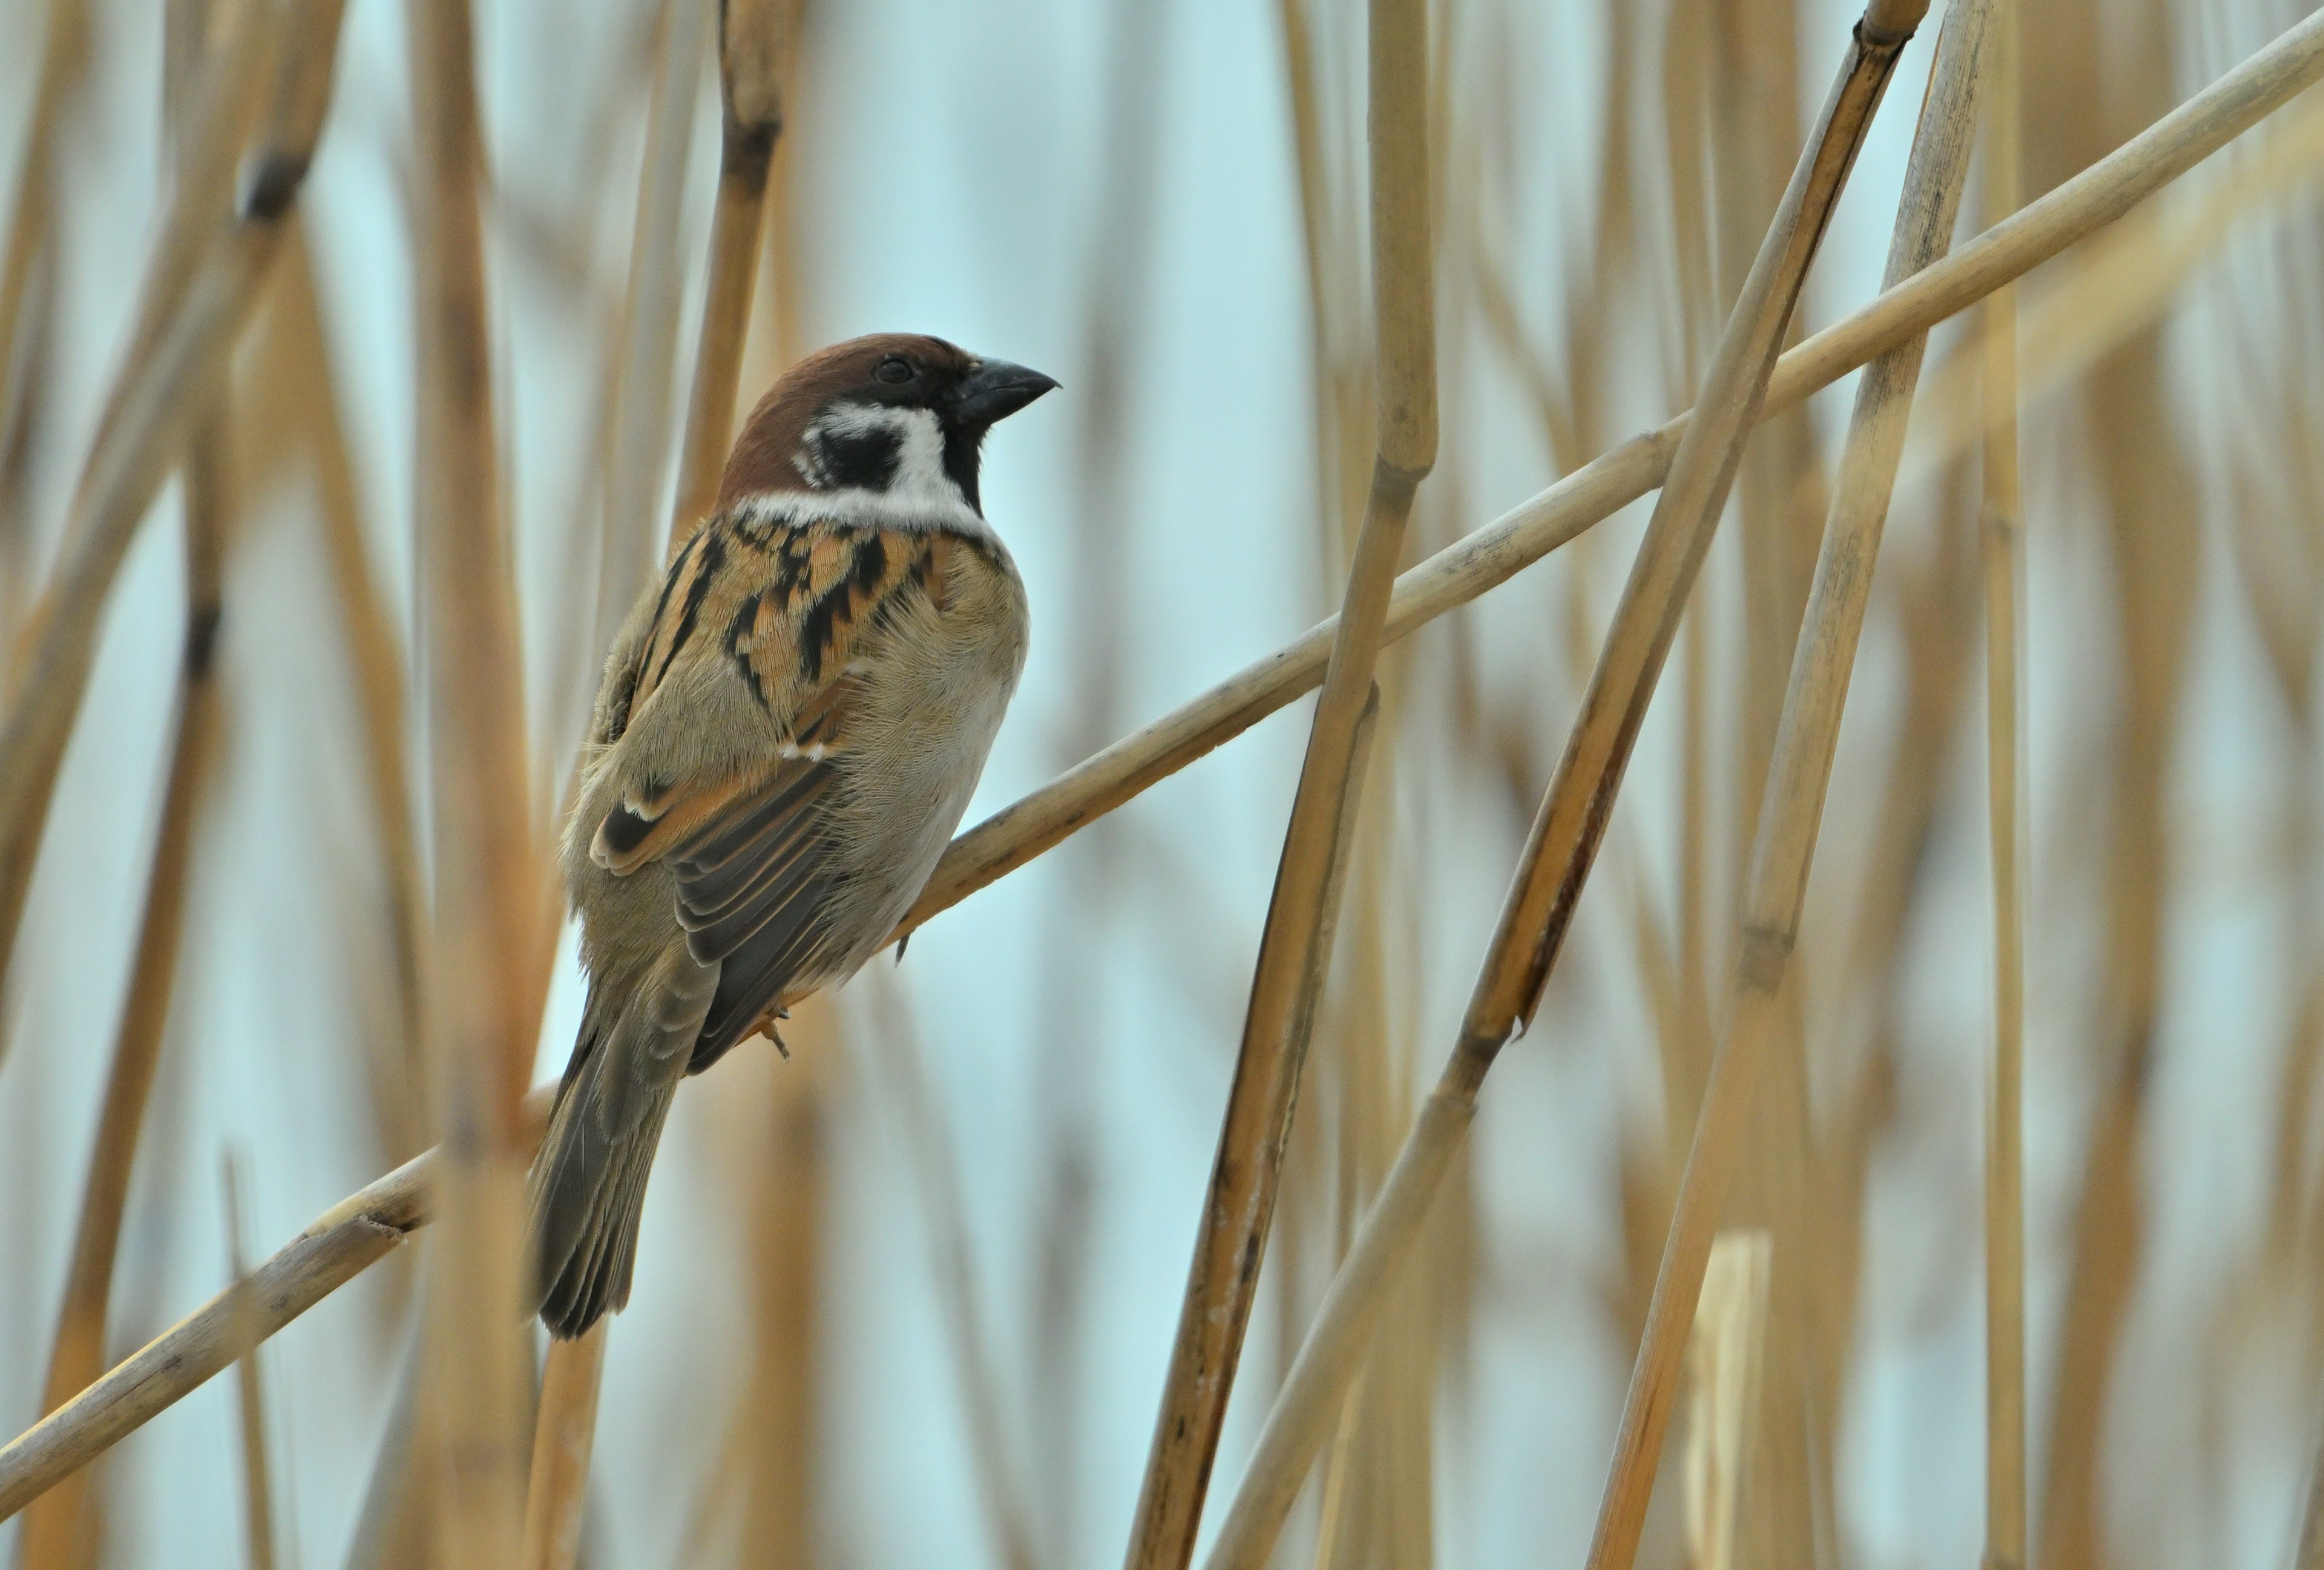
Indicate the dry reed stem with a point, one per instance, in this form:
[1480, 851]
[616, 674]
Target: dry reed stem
[155, 400]
[2114, 287]
[337, 1246]
[1241, 1203]
[640, 452]
[63, 52]
[1492, 554]
[482, 1019]
[780, 1423]
[242, 1319]
[1572, 817]
[1799, 772]
[127, 1397]
[2002, 518]
[754, 40]
[563, 1430]
[1725, 1354]
[78, 1355]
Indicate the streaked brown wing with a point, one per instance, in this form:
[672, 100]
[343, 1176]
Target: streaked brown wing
[753, 858]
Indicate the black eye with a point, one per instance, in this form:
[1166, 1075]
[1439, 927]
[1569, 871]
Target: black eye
[895, 370]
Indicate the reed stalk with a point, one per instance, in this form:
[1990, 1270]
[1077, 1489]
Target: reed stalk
[2072, 211]
[222, 260]
[53, 1533]
[638, 457]
[1294, 946]
[63, 54]
[250, 1395]
[754, 43]
[481, 1023]
[370, 1224]
[2002, 517]
[562, 1435]
[336, 1247]
[1725, 1356]
[78, 1355]
[1565, 837]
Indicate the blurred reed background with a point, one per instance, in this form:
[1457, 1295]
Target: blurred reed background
[320, 492]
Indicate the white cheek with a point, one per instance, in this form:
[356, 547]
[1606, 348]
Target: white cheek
[920, 458]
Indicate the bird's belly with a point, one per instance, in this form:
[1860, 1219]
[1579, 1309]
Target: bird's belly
[926, 725]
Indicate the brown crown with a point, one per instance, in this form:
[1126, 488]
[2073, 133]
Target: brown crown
[770, 438]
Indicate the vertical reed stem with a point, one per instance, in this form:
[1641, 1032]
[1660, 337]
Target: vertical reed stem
[1241, 1202]
[753, 43]
[2003, 520]
[481, 1026]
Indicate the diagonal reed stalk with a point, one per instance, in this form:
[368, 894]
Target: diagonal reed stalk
[639, 456]
[1294, 946]
[2002, 518]
[1565, 842]
[77, 1354]
[63, 52]
[198, 292]
[1465, 569]
[481, 1018]
[54, 1529]
[368, 1225]
[754, 40]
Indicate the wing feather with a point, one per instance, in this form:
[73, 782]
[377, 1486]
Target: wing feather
[783, 611]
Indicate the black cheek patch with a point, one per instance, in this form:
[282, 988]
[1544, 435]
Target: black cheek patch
[860, 460]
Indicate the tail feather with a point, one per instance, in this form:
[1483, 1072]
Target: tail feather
[589, 1183]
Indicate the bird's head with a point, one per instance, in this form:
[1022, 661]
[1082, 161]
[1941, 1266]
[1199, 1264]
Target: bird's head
[896, 413]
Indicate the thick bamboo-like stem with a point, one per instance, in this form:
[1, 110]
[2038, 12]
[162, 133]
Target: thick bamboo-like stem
[1241, 1202]
[1572, 817]
[482, 1016]
[639, 454]
[562, 1435]
[78, 1356]
[257, 1488]
[171, 1366]
[2003, 517]
[2072, 211]
[152, 404]
[753, 42]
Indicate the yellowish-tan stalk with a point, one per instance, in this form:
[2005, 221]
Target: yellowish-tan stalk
[564, 1429]
[1566, 834]
[2002, 517]
[754, 40]
[155, 400]
[2070, 211]
[481, 1018]
[1240, 1205]
[250, 1405]
[370, 1224]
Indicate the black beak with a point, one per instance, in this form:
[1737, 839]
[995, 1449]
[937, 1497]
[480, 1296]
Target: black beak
[996, 389]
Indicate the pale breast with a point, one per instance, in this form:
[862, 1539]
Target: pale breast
[934, 698]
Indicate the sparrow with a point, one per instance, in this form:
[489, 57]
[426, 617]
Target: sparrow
[789, 729]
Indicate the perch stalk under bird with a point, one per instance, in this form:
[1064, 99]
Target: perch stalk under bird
[789, 729]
